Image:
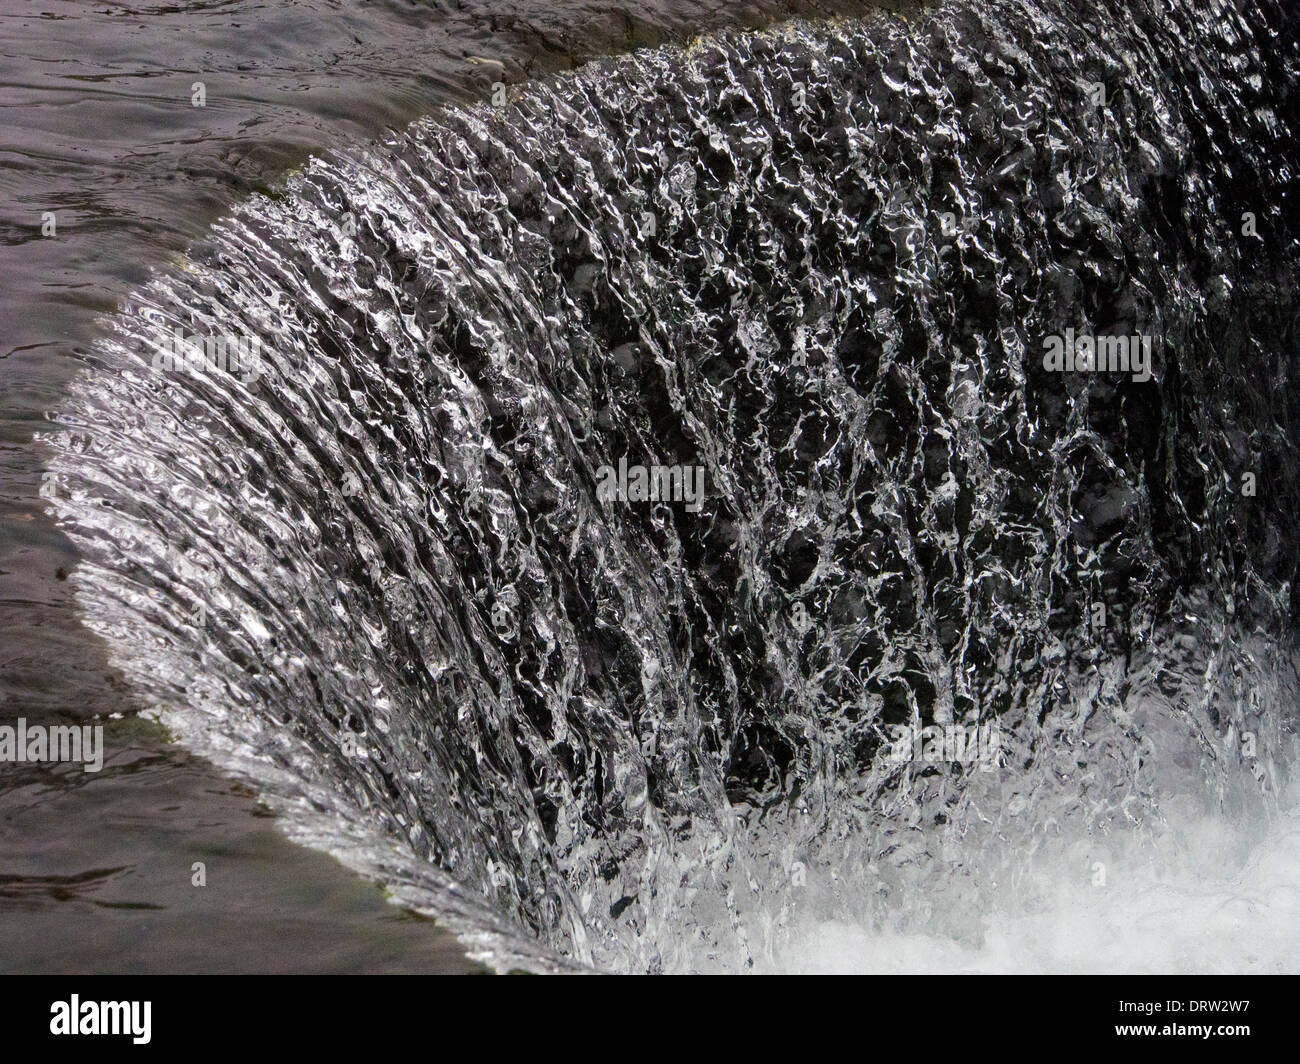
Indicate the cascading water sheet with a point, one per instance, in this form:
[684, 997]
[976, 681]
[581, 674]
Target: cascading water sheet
[823, 496]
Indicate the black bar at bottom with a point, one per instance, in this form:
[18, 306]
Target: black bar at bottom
[386, 1013]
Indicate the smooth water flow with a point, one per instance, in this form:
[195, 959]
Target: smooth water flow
[698, 514]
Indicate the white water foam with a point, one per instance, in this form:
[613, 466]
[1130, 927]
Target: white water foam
[1210, 899]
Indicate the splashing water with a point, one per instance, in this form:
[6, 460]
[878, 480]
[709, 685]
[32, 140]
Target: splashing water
[1206, 901]
[366, 561]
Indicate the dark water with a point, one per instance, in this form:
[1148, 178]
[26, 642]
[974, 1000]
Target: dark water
[96, 125]
[655, 737]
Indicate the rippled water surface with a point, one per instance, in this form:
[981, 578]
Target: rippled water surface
[377, 582]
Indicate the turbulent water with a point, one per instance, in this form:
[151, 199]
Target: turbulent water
[375, 574]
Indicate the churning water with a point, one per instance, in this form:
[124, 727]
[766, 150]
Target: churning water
[370, 570]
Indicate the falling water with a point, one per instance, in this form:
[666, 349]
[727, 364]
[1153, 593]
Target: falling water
[366, 562]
